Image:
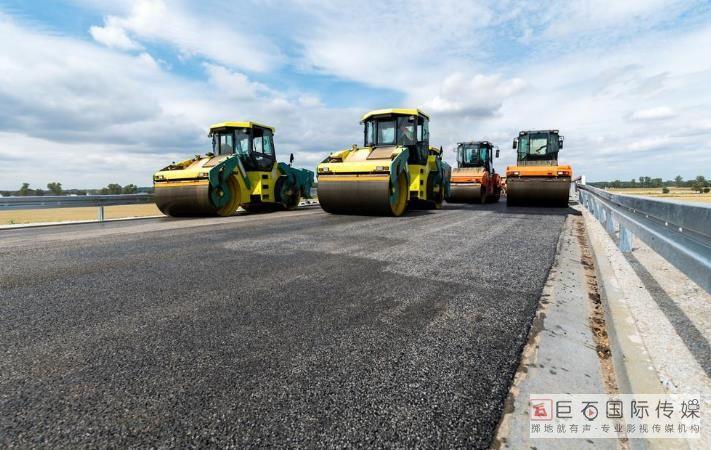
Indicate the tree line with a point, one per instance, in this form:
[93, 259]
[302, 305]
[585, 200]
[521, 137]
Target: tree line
[698, 184]
[55, 188]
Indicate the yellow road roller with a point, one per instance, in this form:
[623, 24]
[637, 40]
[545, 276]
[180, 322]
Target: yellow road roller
[394, 169]
[241, 170]
[537, 178]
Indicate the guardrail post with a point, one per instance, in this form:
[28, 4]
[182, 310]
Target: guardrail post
[610, 223]
[100, 213]
[598, 211]
[625, 242]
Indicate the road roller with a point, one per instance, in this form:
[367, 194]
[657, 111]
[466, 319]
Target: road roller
[394, 170]
[241, 170]
[537, 178]
[474, 180]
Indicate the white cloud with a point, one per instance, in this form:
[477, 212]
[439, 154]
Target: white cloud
[478, 95]
[658, 113]
[235, 84]
[649, 143]
[113, 36]
[225, 37]
[591, 22]
[85, 115]
[397, 45]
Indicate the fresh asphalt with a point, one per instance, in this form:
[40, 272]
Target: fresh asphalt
[295, 329]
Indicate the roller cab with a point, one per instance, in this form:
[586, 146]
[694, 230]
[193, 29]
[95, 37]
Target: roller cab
[537, 178]
[394, 170]
[241, 170]
[474, 180]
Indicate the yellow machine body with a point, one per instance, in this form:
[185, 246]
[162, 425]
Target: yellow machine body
[217, 184]
[384, 177]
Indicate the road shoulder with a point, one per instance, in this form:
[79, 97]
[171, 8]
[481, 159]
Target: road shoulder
[567, 350]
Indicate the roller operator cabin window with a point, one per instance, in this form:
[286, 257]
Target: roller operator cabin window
[263, 148]
[539, 145]
[226, 144]
[369, 133]
[242, 142]
[482, 155]
[386, 132]
[406, 130]
[268, 144]
[470, 155]
[257, 141]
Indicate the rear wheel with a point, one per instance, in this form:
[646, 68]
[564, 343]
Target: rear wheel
[435, 193]
[289, 194]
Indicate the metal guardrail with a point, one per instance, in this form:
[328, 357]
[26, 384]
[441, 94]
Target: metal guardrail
[73, 201]
[99, 201]
[679, 232]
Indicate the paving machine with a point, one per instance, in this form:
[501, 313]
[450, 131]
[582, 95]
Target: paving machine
[394, 169]
[241, 170]
[474, 180]
[537, 178]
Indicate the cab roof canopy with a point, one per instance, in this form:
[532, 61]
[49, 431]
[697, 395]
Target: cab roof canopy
[394, 111]
[475, 143]
[521, 133]
[220, 125]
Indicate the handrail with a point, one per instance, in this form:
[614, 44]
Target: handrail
[80, 201]
[72, 201]
[680, 232]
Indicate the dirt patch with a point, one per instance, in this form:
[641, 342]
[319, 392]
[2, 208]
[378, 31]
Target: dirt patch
[597, 317]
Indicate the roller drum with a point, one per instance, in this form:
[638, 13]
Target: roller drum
[464, 193]
[360, 194]
[538, 191]
[192, 200]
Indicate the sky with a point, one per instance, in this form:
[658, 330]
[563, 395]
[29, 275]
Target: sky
[98, 92]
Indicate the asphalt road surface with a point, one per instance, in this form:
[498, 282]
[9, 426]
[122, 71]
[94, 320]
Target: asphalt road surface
[295, 329]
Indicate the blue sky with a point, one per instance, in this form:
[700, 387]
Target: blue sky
[93, 92]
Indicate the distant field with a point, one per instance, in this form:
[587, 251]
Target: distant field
[69, 214]
[683, 194]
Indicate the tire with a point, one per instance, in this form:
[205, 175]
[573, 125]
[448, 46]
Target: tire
[435, 199]
[289, 195]
[401, 204]
[231, 207]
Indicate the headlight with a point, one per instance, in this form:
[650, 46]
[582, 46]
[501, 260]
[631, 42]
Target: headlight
[159, 178]
[516, 174]
[560, 173]
[381, 168]
[203, 175]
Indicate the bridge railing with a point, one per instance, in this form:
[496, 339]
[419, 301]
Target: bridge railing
[680, 232]
[73, 201]
[99, 201]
